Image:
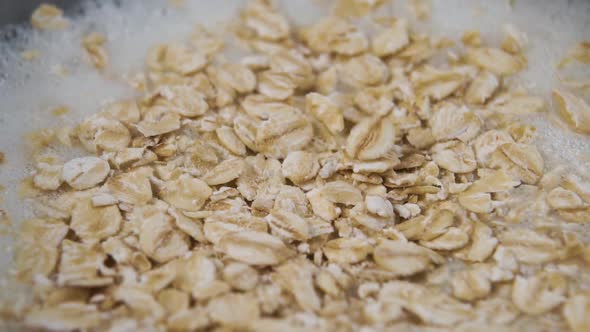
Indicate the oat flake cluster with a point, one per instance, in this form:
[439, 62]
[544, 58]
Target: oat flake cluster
[333, 179]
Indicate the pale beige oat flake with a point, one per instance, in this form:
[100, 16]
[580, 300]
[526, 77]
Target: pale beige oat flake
[48, 17]
[347, 251]
[539, 294]
[574, 110]
[371, 139]
[93, 44]
[102, 133]
[496, 60]
[85, 172]
[186, 192]
[254, 248]
[405, 258]
[391, 39]
[576, 311]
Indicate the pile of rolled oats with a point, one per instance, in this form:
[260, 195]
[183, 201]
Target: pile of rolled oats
[333, 179]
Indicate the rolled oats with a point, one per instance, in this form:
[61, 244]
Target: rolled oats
[375, 100]
[277, 136]
[226, 171]
[482, 244]
[451, 121]
[296, 66]
[540, 293]
[132, 187]
[157, 121]
[86, 172]
[575, 311]
[186, 192]
[189, 319]
[48, 174]
[371, 139]
[431, 307]
[577, 184]
[454, 238]
[405, 258]
[218, 307]
[176, 58]
[580, 52]
[482, 88]
[347, 250]
[492, 182]
[560, 198]
[65, 316]
[356, 8]
[92, 224]
[48, 17]
[341, 192]
[364, 70]
[292, 199]
[173, 300]
[326, 111]
[421, 8]
[436, 83]
[379, 206]
[158, 238]
[573, 110]
[265, 21]
[230, 140]
[288, 225]
[457, 157]
[93, 44]
[297, 277]
[518, 105]
[192, 227]
[260, 174]
[529, 246]
[382, 312]
[254, 248]
[217, 226]
[141, 302]
[81, 265]
[197, 275]
[99, 133]
[514, 39]
[336, 35]
[321, 206]
[300, 166]
[470, 285]
[391, 38]
[232, 76]
[240, 276]
[520, 160]
[580, 85]
[47, 232]
[33, 259]
[471, 38]
[486, 143]
[126, 111]
[496, 60]
[291, 188]
[327, 80]
[182, 99]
